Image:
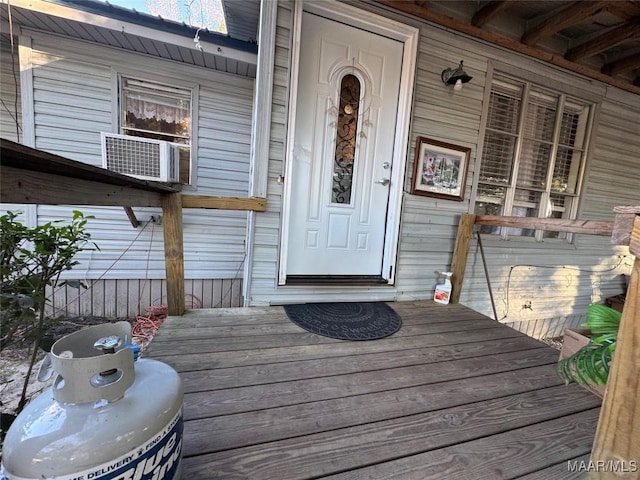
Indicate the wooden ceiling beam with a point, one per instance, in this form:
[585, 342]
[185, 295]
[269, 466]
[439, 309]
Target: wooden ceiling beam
[490, 10]
[622, 65]
[573, 14]
[625, 9]
[508, 43]
[609, 39]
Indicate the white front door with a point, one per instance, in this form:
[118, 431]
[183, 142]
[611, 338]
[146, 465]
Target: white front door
[347, 103]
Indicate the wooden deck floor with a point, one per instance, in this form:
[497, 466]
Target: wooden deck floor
[452, 395]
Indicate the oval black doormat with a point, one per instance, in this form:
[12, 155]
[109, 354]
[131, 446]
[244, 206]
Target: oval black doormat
[346, 321]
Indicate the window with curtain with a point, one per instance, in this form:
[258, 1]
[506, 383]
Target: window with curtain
[533, 155]
[161, 112]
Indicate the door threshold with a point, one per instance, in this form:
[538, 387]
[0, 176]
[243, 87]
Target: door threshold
[336, 280]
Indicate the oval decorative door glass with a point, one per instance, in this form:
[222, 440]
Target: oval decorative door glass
[347, 127]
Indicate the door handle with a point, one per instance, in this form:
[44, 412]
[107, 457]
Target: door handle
[383, 181]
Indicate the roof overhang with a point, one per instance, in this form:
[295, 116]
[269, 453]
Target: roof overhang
[129, 22]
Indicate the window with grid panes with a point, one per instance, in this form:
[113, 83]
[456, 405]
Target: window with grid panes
[161, 112]
[533, 156]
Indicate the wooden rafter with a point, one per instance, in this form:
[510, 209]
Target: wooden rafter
[622, 65]
[611, 38]
[626, 10]
[573, 14]
[489, 11]
[508, 43]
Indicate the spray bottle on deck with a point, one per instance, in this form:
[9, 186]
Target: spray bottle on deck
[443, 290]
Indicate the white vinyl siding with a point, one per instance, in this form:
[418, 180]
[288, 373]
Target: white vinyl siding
[11, 118]
[559, 283]
[76, 99]
[10, 110]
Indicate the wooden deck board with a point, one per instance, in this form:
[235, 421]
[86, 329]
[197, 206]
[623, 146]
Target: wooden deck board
[500, 456]
[567, 470]
[262, 425]
[350, 448]
[452, 395]
[288, 347]
[416, 327]
[277, 393]
[232, 377]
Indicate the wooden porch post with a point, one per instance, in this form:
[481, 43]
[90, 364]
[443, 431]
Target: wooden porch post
[460, 254]
[173, 252]
[618, 434]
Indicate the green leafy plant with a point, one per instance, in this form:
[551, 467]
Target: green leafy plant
[592, 363]
[32, 259]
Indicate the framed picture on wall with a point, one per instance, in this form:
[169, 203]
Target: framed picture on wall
[440, 169]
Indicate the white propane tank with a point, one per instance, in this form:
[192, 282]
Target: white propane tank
[103, 418]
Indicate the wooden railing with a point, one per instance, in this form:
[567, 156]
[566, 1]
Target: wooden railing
[469, 221]
[33, 176]
[617, 440]
[172, 205]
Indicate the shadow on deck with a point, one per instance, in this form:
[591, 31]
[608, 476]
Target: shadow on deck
[452, 395]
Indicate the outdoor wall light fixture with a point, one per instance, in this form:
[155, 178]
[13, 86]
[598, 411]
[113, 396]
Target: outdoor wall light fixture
[455, 77]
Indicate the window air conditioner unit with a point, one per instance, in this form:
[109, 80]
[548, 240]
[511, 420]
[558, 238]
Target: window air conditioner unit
[142, 158]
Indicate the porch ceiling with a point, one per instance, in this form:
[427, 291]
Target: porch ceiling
[600, 39]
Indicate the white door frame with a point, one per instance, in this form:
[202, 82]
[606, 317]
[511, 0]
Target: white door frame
[383, 26]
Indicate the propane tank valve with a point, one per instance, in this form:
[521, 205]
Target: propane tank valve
[108, 345]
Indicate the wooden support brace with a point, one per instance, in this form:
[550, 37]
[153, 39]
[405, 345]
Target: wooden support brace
[132, 217]
[224, 203]
[173, 252]
[460, 254]
[618, 435]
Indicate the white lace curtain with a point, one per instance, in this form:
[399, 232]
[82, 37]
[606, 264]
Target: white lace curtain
[150, 109]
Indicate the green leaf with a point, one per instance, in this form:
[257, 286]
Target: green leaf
[602, 319]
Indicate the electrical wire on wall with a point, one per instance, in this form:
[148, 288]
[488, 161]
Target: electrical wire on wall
[93, 282]
[156, 308]
[14, 114]
[235, 277]
[505, 300]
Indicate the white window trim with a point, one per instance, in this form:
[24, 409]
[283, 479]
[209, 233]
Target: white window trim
[117, 74]
[553, 84]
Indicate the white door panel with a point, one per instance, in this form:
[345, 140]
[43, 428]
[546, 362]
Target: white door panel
[334, 229]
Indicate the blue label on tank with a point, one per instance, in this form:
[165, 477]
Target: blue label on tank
[157, 459]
